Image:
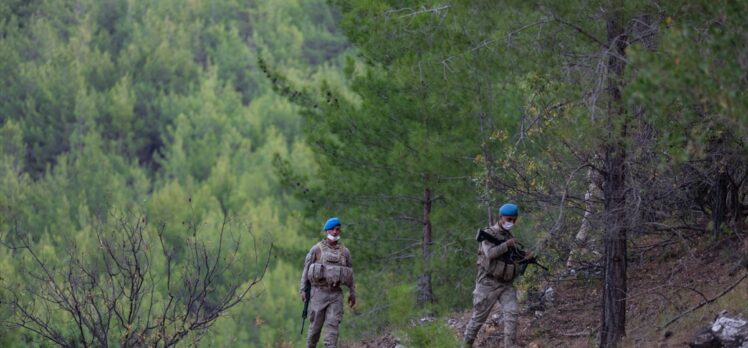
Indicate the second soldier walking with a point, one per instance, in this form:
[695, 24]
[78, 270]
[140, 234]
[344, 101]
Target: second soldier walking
[495, 279]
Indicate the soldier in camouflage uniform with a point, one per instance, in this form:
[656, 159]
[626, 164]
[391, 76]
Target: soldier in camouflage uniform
[495, 280]
[327, 266]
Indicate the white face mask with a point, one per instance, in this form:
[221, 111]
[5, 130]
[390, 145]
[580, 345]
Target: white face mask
[507, 225]
[333, 238]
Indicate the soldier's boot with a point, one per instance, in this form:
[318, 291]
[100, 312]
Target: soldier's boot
[468, 343]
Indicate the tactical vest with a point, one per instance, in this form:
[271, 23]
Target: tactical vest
[330, 267]
[498, 268]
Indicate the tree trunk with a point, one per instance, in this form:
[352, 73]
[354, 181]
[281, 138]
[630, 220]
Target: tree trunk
[614, 188]
[719, 211]
[584, 228]
[614, 267]
[425, 294]
[719, 185]
[488, 161]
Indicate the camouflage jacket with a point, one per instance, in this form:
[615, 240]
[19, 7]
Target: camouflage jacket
[490, 257]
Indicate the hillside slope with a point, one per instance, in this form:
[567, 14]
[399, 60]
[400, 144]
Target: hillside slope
[675, 289]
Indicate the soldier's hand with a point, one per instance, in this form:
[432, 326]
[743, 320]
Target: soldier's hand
[351, 301]
[529, 255]
[510, 242]
[303, 297]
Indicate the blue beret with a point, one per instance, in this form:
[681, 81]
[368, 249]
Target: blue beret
[509, 209]
[331, 223]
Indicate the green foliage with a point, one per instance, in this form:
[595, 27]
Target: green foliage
[114, 106]
[428, 104]
[433, 334]
[690, 83]
[402, 316]
[409, 128]
[164, 107]
[401, 304]
[505, 94]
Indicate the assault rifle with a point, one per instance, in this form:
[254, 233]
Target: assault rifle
[308, 295]
[514, 254]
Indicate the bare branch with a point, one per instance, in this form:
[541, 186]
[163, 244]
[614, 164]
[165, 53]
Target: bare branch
[706, 302]
[113, 294]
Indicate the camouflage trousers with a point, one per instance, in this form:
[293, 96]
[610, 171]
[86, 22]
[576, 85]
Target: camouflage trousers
[485, 295]
[326, 311]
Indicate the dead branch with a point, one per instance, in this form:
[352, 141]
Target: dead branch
[703, 303]
[109, 293]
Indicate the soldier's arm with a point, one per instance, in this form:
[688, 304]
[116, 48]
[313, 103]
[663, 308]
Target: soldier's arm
[349, 261]
[493, 251]
[307, 261]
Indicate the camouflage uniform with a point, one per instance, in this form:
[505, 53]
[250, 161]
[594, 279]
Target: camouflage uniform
[327, 267]
[493, 283]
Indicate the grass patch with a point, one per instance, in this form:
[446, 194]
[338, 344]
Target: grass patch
[435, 334]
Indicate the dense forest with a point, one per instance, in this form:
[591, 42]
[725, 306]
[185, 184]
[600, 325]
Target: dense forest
[115, 111]
[166, 165]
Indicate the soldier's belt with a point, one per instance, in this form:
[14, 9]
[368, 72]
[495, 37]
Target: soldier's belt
[328, 287]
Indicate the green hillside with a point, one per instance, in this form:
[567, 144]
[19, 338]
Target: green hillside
[166, 165]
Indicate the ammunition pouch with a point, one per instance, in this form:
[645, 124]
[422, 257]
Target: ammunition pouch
[316, 274]
[329, 275]
[338, 275]
[503, 271]
[506, 267]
